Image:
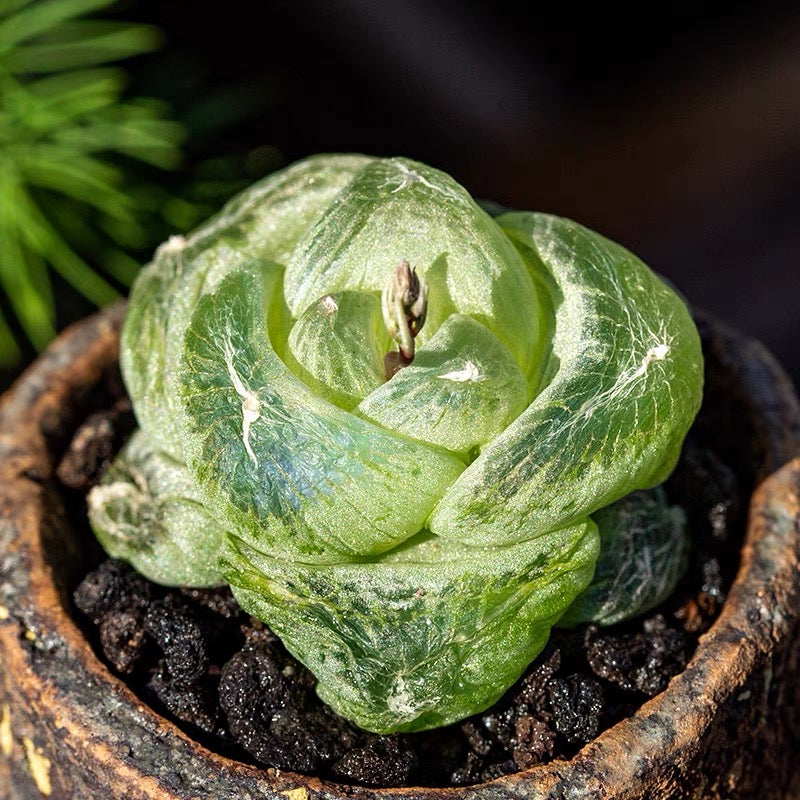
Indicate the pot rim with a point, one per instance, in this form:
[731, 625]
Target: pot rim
[760, 608]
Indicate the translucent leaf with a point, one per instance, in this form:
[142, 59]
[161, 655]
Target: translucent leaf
[416, 588]
[294, 475]
[462, 389]
[148, 512]
[613, 418]
[644, 551]
[396, 209]
[424, 635]
[275, 213]
[259, 226]
[339, 344]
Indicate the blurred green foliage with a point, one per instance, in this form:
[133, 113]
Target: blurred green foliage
[79, 162]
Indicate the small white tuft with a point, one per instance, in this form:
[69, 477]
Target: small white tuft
[407, 178]
[173, 245]
[399, 701]
[658, 353]
[327, 305]
[469, 373]
[105, 493]
[103, 499]
[251, 411]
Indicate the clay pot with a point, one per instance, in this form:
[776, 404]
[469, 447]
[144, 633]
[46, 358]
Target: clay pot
[727, 727]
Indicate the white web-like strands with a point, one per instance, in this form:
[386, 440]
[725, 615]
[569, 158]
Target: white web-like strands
[104, 500]
[408, 177]
[251, 405]
[617, 381]
[608, 420]
[628, 340]
[400, 700]
[628, 379]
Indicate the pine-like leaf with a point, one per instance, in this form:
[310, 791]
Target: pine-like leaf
[69, 206]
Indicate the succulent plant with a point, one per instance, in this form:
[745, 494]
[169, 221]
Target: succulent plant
[388, 420]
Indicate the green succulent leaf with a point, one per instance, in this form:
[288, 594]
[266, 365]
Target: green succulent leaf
[612, 419]
[275, 213]
[644, 552]
[295, 474]
[152, 338]
[339, 343]
[426, 634]
[258, 226]
[460, 392]
[147, 511]
[396, 209]
[412, 539]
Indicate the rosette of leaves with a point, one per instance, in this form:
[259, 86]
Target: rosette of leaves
[412, 539]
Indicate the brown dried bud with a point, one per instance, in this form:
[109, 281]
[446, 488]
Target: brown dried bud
[405, 305]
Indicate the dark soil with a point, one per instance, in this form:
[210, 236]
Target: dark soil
[227, 680]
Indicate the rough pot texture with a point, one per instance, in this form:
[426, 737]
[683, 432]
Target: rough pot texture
[727, 727]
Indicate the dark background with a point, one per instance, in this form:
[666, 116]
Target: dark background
[674, 129]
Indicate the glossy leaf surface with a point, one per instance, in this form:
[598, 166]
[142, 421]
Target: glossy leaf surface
[425, 635]
[412, 540]
[338, 344]
[628, 384]
[397, 209]
[461, 391]
[293, 473]
[148, 511]
[644, 552]
[257, 227]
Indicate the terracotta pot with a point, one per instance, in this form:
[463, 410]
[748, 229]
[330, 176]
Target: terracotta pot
[727, 727]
